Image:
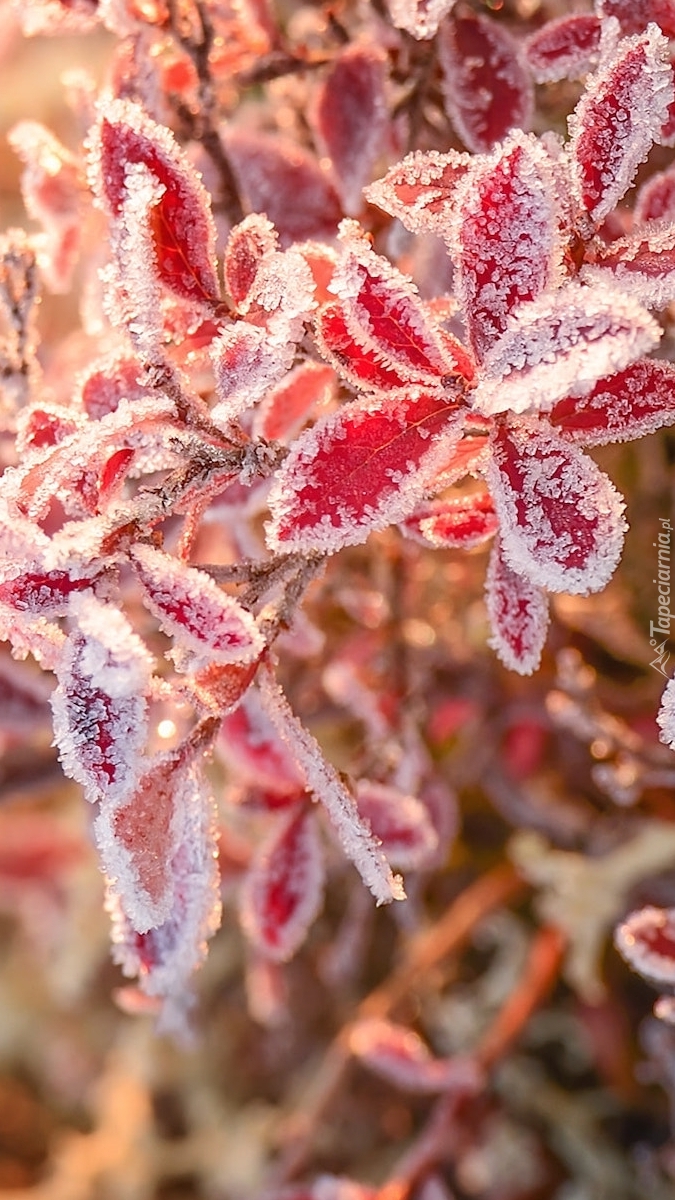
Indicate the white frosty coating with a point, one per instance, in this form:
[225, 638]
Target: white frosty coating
[327, 787]
[284, 288]
[507, 240]
[557, 50]
[361, 132]
[289, 861]
[436, 176]
[465, 103]
[518, 612]
[561, 344]
[52, 190]
[392, 503]
[421, 18]
[666, 717]
[245, 365]
[655, 199]
[401, 823]
[644, 402]
[630, 936]
[616, 142]
[135, 299]
[104, 678]
[255, 237]
[214, 628]
[178, 946]
[557, 479]
[643, 265]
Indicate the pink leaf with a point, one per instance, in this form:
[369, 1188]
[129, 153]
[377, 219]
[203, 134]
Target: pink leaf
[283, 889]
[107, 382]
[636, 15]
[360, 469]
[350, 118]
[251, 747]
[286, 406]
[43, 425]
[401, 1057]
[248, 245]
[560, 517]
[508, 243]
[100, 706]
[620, 408]
[461, 522]
[422, 190]
[401, 824]
[655, 199]
[518, 613]
[487, 89]
[646, 939]
[642, 265]
[617, 119]
[207, 625]
[563, 343]
[221, 688]
[565, 48]
[326, 785]
[182, 228]
[245, 366]
[53, 192]
[421, 18]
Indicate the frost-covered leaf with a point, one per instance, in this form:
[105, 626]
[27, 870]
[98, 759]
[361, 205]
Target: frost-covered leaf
[635, 15]
[221, 688]
[560, 518]
[255, 753]
[181, 225]
[620, 408]
[508, 242]
[646, 939]
[421, 190]
[421, 18]
[53, 193]
[350, 116]
[617, 119]
[283, 888]
[359, 364]
[247, 246]
[460, 522]
[100, 705]
[399, 1055]
[42, 425]
[565, 48]
[207, 625]
[304, 392]
[245, 366]
[666, 716]
[655, 199]
[401, 823]
[643, 265]
[325, 784]
[361, 469]
[560, 344]
[518, 612]
[108, 381]
[486, 87]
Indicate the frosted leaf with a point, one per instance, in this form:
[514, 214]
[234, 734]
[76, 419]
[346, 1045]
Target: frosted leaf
[655, 199]
[507, 243]
[254, 751]
[466, 457]
[421, 18]
[635, 15]
[401, 824]
[350, 117]
[40, 426]
[518, 613]
[306, 390]
[247, 246]
[360, 365]
[221, 688]
[100, 705]
[383, 311]
[399, 1055]
[561, 344]
[421, 190]
[36, 590]
[207, 625]
[245, 365]
[277, 177]
[617, 119]
[565, 48]
[486, 87]
[53, 192]
[646, 939]
[460, 522]
[324, 782]
[643, 265]
[620, 408]
[182, 230]
[283, 888]
[282, 295]
[106, 382]
[164, 958]
[666, 716]
[560, 518]
[360, 469]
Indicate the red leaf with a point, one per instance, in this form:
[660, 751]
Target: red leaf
[182, 226]
[350, 118]
[518, 612]
[656, 198]
[401, 824]
[359, 365]
[245, 365]
[283, 889]
[255, 754]
[508, 244]
[422, 190]
[360, 469]
[207, 625]
[248, 244]
[620, 408]
[565, 48]
[401, 1057]
[305, 391]
[642, 265]
[42, 427]
[45, 592]
[221, 688]
[617, 119]
[487, 89]
[109, 381]
[646, 939]
[636, 15]
[460, 522]
[560, 517]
